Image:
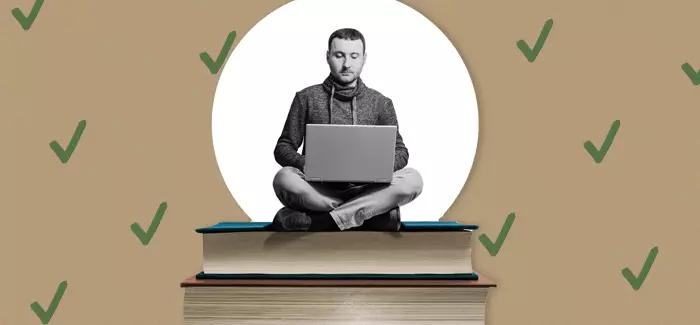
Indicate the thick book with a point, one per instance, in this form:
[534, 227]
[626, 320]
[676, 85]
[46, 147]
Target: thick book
[421, 249]
[335, 301]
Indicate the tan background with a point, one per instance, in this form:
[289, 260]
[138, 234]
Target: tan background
[132, 70]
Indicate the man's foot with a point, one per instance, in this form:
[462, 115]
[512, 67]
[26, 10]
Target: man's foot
[323, 222]
[388, 221]
[287, 219]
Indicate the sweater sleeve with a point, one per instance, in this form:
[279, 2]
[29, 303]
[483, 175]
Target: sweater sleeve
[286, 151]
[401, 151]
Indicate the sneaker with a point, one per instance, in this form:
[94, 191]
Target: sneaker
[287, 219]
[322, 221]
[388, 221]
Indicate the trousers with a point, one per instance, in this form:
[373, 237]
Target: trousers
[349, 204]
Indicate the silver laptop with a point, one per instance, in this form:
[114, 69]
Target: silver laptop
[349, 153]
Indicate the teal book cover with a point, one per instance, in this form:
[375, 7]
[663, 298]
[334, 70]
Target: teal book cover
[229, 226]
[316, 276]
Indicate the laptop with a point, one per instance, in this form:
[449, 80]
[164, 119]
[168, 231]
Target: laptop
[349, 153]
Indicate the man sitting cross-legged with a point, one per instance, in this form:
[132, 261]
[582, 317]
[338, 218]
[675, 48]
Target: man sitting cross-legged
[342, 98]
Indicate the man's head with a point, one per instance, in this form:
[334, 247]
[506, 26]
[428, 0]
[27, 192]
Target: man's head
[346, 55]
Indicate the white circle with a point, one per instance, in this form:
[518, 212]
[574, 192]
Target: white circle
[408, 60]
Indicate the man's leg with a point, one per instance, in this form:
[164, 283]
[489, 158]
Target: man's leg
[305, 204]
[296, 193]
[406, 186]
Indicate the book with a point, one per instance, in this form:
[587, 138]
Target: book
[418, 250]
[335, 301]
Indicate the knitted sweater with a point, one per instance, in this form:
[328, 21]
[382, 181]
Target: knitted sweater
[359, 105]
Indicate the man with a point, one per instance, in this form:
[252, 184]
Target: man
[342, 98]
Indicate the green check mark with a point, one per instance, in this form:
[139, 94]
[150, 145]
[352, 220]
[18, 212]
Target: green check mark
[214, 66]
[146, 236]
[532, 53]
[596, 154]
[27, 21]
[494, 248]
[637, 281]
[691, 73]
[64, 155]
[46, 315]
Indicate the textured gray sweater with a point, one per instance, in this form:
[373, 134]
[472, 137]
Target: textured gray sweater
[359, 105]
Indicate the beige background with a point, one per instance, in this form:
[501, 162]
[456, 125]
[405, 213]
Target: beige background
[132, 70]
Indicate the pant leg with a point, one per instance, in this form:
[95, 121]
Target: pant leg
[296, 193]
[375, 199]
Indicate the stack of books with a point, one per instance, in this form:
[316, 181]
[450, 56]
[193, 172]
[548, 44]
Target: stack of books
[421, 274]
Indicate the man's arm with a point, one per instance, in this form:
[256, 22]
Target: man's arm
[286, 151]
[389, 118]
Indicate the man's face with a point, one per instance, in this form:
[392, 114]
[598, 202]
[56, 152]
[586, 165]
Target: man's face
[346, 59]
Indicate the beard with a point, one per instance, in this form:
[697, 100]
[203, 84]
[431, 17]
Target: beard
[345, 77]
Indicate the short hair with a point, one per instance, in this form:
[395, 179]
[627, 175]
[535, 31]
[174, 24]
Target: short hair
[349, 34]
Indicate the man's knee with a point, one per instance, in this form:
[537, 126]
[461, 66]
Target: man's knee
[410, 182]
[285, 179]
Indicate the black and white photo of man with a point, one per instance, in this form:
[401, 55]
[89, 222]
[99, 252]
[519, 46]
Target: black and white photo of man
[342, 98]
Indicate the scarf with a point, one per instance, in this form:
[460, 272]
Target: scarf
[343, 93]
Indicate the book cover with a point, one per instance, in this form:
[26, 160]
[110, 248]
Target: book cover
[482, 281]
[312, 276]
[229, 226]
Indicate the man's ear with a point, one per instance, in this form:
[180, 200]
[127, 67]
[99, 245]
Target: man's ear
[328, 55]
[364, 59]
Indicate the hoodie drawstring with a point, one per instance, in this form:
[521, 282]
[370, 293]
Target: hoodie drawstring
[330, 107]
[354, 112]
